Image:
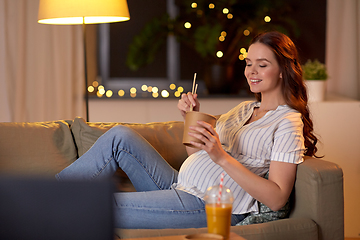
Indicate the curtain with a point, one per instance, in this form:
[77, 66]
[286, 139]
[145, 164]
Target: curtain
[343, 47]
[41, 66]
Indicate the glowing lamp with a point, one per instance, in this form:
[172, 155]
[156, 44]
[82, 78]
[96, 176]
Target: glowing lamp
[72, 12]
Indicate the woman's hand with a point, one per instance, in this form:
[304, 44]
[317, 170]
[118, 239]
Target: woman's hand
[186, 101]
[210, 141]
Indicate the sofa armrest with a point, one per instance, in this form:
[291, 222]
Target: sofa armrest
[319, 196]
[36, 148]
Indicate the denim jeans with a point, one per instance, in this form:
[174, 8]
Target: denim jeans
[155, 204]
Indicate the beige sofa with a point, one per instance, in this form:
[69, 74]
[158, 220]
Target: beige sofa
[45, 148]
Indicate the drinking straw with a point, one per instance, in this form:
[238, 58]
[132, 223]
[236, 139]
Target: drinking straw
[194, 88]
[220, 188]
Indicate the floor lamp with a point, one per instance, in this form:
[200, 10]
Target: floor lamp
[76, 12]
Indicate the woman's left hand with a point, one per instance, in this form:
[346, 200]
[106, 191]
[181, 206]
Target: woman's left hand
[210, 141]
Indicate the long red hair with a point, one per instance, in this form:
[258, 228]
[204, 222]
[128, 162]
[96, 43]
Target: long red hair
[293, 86]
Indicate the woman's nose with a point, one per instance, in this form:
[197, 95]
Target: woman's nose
[252, 70]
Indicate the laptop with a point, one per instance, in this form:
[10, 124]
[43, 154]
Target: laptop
[44, 209]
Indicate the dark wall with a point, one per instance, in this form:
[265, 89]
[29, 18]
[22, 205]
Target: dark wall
[310, 16]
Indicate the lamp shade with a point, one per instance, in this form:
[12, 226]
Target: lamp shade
[76, 11]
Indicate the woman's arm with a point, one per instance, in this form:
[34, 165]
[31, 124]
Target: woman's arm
[273, 192]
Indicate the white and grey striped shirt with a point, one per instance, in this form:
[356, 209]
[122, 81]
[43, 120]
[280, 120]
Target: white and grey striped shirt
[278, 136]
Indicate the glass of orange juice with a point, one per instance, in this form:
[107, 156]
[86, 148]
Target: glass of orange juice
[218, 210]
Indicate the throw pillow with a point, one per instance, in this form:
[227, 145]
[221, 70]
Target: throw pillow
[165, 137]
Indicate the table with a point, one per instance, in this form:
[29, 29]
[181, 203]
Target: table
[233, 236]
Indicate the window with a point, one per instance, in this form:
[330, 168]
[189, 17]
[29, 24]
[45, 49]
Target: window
[113, 42]
[176, 64]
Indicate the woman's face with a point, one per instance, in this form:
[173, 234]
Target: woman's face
[262, 70]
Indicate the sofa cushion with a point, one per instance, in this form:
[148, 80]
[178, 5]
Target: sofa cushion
[41, 148]
[165, 137]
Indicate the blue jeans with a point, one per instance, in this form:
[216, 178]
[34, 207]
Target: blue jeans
[155, 204]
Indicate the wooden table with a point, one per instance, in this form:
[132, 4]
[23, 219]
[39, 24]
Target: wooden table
[233, 236]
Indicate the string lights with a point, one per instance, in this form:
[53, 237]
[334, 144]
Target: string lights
[133, 92]
[173, 90]
[219, 54]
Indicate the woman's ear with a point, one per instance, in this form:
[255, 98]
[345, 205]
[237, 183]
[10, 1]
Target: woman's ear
[280, 75]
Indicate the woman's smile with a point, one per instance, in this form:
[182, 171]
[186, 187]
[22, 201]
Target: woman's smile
[255, 81]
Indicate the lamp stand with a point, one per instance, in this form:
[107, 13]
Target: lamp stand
[86, 73]
[65, 12]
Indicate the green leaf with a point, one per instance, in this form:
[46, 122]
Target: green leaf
[314, 70]
[206, 39]
[147, 43]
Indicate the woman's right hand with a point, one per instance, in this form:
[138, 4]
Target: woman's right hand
[186, 101]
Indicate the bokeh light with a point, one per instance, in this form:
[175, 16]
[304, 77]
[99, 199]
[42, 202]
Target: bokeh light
[121, 93]
[101, 91]
[165, 94]
[95, 83]
[155, 89]
[109, 93]
[246, 32]
[144, 88]
[172, 86]
[99, 94]
[91, 89]
[177, 94]
[133, 90]
[219, 54]
[267, 19]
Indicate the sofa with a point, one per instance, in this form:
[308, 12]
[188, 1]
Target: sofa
[45, 148]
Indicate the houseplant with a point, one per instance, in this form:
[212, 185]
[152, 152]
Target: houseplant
[216, 31]
[315, 76]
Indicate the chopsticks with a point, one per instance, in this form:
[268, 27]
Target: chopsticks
[194, 89]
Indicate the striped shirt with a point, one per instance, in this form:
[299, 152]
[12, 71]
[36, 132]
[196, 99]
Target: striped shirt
[278, 136]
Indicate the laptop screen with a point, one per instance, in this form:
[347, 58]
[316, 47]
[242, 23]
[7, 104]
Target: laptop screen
[47, 209]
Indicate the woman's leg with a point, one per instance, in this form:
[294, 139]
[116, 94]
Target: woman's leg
[161, 209]
[158, 209]
[122, 147]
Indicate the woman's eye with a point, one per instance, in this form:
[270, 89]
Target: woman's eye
[262, 66]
